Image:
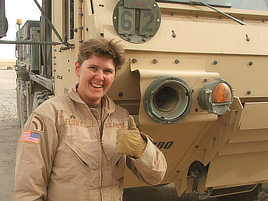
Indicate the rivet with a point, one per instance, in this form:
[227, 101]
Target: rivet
[134, 60]
[120, 94]
[155, 61]
[248, 92]
[173, 34]
[250, 63]
[215, 62]
[177, 61]
[247, 38]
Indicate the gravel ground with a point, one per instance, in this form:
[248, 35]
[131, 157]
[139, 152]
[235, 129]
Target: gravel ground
[8, 96]
[9, 133]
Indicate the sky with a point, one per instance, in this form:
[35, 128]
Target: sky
[17, 9]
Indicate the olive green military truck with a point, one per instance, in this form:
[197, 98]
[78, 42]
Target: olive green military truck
[194, 79]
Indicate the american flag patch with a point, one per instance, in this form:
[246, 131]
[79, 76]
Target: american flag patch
[30, 136]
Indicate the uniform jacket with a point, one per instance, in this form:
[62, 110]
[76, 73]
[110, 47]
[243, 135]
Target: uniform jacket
[63, 155]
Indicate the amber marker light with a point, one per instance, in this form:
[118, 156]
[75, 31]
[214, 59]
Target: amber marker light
[221, 93]
[19, 21]
[216, 97]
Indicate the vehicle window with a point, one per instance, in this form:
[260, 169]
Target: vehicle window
[241, 4]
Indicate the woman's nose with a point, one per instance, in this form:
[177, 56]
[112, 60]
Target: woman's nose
[99, 75]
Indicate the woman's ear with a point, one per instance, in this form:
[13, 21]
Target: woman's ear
[77, 69]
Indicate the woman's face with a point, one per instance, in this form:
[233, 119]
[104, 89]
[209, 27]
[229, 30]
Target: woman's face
[96, 77]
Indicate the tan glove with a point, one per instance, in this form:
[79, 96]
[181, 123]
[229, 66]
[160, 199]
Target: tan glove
[130, 142]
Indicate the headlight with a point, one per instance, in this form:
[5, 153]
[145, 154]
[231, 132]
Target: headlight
[216, 97]
[168, 99]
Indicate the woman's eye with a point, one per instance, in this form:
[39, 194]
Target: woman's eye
[108, 71]
[92, 68]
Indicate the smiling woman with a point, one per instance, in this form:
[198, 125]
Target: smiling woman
[96, 68]
[82, 140]
[96, 76]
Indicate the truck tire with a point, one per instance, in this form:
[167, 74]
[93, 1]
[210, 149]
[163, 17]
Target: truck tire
[21, 102]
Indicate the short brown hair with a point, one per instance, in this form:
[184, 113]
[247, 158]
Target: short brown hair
[102, 48]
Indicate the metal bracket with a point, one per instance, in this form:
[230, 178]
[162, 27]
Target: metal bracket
[197, 173]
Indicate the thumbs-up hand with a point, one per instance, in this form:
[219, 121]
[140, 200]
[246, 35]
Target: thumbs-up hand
[130, 142]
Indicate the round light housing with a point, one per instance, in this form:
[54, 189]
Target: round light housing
[168, 99]
[216, 97]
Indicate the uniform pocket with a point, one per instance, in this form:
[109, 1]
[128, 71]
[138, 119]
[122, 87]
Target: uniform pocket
[119, 167]
[79, 154]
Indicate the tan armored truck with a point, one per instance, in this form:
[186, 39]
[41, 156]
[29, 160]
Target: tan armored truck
[195, 81]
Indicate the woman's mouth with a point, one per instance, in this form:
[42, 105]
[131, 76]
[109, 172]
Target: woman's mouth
[96, 85]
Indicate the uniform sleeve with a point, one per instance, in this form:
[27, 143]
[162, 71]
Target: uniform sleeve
[151, 166]
[35, 154]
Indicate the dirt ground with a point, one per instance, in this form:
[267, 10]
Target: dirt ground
[9, 133]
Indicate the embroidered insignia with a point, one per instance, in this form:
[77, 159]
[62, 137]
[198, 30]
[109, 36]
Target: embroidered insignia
[38, 123]
[74, 122]
[115, 125]
[30, 136]
[72, 116]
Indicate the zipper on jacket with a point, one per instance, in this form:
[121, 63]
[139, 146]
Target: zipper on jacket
[101, 134]
[102, 127]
